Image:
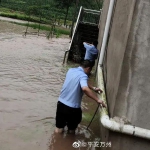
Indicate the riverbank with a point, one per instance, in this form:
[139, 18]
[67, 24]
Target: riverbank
[57, 31]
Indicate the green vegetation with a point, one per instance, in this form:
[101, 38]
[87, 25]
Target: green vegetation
[57, 31]
[47, 12]
[17, 16]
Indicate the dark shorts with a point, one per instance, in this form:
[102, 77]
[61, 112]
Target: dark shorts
[69, 116]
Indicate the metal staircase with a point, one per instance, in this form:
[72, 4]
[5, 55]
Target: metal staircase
[85, 30]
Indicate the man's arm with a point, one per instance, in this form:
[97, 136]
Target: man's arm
[95, 88]
[90, 94]
[87, 43]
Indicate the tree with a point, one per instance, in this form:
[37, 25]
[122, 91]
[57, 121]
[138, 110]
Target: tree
[73, 21]
[64, 4]
[99, 3]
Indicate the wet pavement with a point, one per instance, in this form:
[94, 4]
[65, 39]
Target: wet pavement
[31, 76]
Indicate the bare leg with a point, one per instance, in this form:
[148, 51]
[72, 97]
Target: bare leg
[71, 131]
[59, 130]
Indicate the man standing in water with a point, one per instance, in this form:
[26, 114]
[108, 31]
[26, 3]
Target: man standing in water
[91, 51]
[69, 104]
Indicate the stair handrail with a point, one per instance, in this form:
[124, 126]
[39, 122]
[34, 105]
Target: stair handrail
[90, 10]
[76, 25]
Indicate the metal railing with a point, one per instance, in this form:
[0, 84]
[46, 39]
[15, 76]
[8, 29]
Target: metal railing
[75, 28]
[90, 16]
[85, 16]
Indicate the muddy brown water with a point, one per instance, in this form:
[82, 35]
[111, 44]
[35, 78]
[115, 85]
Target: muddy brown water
[31, 77]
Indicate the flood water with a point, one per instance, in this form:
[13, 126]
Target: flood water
[31, 77]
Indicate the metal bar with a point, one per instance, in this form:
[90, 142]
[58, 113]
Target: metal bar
[77, 22]
[90, 10]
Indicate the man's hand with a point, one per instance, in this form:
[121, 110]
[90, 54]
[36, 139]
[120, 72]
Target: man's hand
[87, 43]
[102, 103]
[98, 90]
[90, 94]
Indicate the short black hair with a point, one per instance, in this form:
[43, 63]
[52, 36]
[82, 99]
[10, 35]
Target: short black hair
[86, 63]
[95, 43]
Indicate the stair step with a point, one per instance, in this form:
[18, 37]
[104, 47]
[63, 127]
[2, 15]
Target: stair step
[88, 35]
[87, 29]
[85, 26]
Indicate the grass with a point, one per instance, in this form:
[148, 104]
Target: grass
[20, 16]
[57, 31]
[6, 12]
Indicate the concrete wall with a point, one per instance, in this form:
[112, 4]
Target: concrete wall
[127, 69]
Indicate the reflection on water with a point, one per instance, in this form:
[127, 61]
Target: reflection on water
[83, 140]
[31, 76]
